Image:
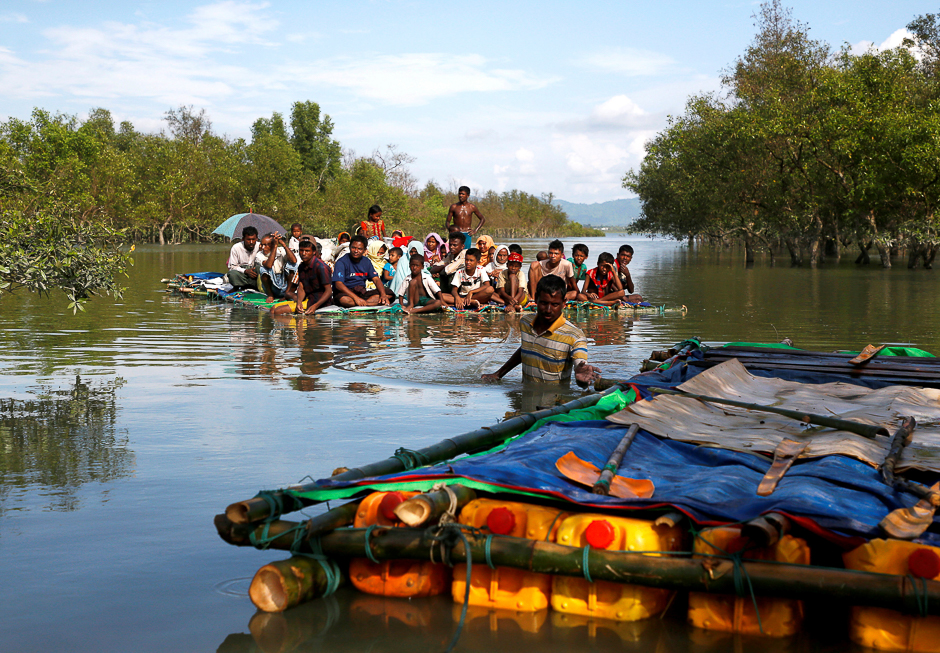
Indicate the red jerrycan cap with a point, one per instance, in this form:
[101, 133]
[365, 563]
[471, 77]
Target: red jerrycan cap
[924, 563]
[501, 521]
[388, 504]
[599, 534]
[737, 544]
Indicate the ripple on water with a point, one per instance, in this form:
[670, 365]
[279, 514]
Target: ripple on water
[234, 587]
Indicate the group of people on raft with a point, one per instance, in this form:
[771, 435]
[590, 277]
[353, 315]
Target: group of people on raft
[422, 277]
[363, 270]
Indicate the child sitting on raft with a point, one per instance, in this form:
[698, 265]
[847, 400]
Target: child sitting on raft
[424, 295]
[579, 254]
[471, 287]
[394, 255]
[511, 285]
[603, 283]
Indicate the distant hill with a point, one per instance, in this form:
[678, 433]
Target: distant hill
[615, 213]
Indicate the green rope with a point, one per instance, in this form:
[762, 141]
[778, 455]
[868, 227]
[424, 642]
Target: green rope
[330, 568]
[920, 594]
[275, 504]
[486, 550]
[447, 535]
[369, 554]
[548, 535]
[584, 564]
[740, 575]
[411, 459]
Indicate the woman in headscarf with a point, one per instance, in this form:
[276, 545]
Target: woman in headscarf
[498, 264]
[403, 269]
[484, 243]
[434, 248]
[376, 251]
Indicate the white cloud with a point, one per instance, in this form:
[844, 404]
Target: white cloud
[894, 40]
[629, 61]
[617, 114]
[618, 110]
[172, 66]
[523, 154]
[13, 18]
[204, 63]
[416, 78]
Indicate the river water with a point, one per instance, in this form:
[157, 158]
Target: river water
[124, 429]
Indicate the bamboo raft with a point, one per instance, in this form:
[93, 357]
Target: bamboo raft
[187, 287]
[432, 523]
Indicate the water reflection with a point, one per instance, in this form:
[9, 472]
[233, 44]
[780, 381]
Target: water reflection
[357, 622]
[351, 622]
[63, 438]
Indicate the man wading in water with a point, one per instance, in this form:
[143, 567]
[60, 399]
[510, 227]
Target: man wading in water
[462, 213]
[551, 346]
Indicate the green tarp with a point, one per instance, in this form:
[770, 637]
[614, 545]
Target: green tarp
[887, 351]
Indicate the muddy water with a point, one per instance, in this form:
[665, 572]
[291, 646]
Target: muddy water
[125, 429]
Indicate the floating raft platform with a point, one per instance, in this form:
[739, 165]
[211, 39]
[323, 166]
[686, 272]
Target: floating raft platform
[726, 489]
[193, 285]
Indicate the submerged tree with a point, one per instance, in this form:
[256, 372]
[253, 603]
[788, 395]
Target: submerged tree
[804, 149]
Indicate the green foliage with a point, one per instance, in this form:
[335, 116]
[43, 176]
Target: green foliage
[70, 186]
[804, 147]
[311, 137]
[47, 249]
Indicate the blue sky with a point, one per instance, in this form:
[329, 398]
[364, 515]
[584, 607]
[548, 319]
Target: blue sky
[544, 97]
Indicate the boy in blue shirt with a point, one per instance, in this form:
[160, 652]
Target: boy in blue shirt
[579, 254]
[350, 275]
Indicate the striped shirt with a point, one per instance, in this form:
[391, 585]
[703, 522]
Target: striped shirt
[549, 356]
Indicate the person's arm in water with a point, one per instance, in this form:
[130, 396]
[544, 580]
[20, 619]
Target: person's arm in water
[585, 375]
[514, 361]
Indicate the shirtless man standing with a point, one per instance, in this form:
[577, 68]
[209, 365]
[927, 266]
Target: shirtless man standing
[462, 213]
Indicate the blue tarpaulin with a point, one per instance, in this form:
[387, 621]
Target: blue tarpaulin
[711, 485]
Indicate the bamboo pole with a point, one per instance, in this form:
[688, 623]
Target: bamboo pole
[840, 359]
[602, 485]
[827, 366]
[901, 438]
[710, 574]
[237, 532]
[428, 508]
[865, 430]
[256, 509]
[286, 583]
